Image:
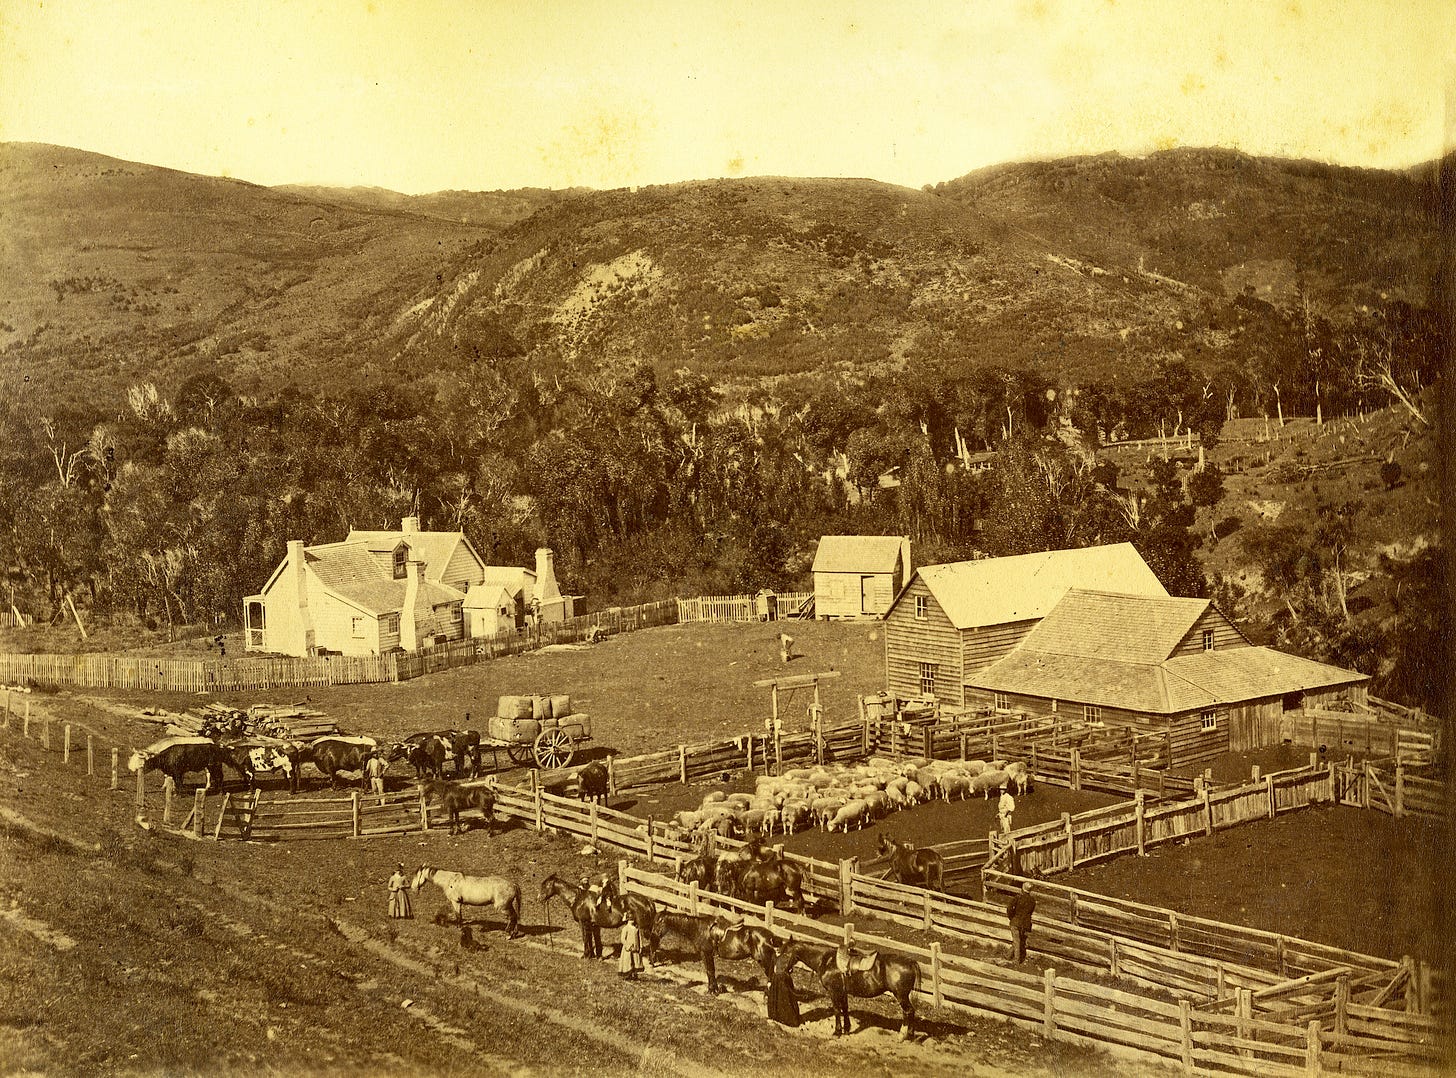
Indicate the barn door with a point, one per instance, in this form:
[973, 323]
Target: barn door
[1243, 729]
[866, 595]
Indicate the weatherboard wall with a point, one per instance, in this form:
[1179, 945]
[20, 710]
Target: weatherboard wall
[1224, 634]
[981, 645]
[912, 641]
[842, 595]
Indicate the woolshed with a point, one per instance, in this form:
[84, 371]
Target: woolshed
[951, 620]
[858, 576]
[1160, 665]
[376, 591]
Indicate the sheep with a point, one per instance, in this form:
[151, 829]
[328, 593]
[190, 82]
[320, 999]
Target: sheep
[914, 792]
[825, 809]
[714, 795]
[688, 821]
[987, 781]
[974, 767]
[1019, 777]
[759, 820]
[855, 812]
[955, 787]
[879, 803]
[795, 816]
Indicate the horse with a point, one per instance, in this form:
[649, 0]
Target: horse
[592, 783]
[881, 973]
[772, 879]
[914, 866]
[462, 890]
[455, 799]
[701, 870]
[713, 940]
[592, 913]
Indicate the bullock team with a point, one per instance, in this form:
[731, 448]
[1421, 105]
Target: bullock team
[844, 798]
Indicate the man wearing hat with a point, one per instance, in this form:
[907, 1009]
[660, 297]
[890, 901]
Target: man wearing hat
[1018, 912]
[399, 899]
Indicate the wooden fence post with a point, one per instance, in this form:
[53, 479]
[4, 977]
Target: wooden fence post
[593, 823]
[424, 812]
[66, 744]
[963, 749]
[7, 707]
[1049, 1004]
[45, 733]
[621, 875]
[222, 811]
[116, 769]
[25, 722]
[1071, 839]
[141, 796]
[1273, 800]
[682, 764]
[1243, 1011]
[848, 934]
[1207, 811]
[611, 778]
[929, 922]
[1139, 823]
[1112, 964]
[651, 839]
[1399, 789]
[1312, 1048]
[1076, 769]
[167, 789]
[935, 974]
[1342, 1003]
[1412, 1003]
[90, 755]
[693, 898]
[1185, 1029]
[354, 811]
[199, 810]
[846, 887]
[1172, 931]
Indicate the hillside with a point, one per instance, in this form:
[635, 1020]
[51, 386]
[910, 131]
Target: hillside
[124, 271]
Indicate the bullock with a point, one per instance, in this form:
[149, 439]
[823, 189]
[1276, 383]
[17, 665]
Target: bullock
[175, 757]
[592, 783]
[252, 758]
[465, 746]
[336, 753]
[425, 752]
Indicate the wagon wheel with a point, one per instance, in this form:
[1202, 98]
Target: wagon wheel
[520, 753]
[554, 748]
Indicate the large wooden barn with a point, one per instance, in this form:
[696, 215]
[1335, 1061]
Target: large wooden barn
[951, 620]
[1161, 665]
[858, 576]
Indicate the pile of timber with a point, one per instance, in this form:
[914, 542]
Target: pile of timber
[289, 721]
[176, 724]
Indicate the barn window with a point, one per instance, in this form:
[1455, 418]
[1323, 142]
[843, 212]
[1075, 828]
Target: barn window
[922, 607]
[1207, 639]
[1091, 713]
[401, 561]
[1001, 701]
[389, 624]
[928, 673]
[1210, 719]
[358, 628]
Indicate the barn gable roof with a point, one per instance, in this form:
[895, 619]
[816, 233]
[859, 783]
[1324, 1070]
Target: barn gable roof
[1111, 625]
[858, 553]
[993, 591]
[351, 572]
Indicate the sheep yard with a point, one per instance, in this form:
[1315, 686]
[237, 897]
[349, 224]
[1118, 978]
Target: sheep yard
[128, 950]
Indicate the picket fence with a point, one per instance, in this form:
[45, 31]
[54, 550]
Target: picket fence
[1199, 1038]
[785, 604]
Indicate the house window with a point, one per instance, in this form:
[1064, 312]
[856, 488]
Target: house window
[928, 672]
[1091, 713]
[389, 624]
[1207, 639]
[922, 607]
[457, 615]
[1001, 701]
[401, 561]
[358, 628]
[1210, 719]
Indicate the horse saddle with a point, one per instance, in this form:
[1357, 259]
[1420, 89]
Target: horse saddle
[847, 961]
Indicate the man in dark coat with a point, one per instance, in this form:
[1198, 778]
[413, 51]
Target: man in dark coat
[1018, 912]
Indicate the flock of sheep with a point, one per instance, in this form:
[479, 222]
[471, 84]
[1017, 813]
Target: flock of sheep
[841, 797]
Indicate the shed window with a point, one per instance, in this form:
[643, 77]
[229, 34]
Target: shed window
[401, 560]
[389, 624]
[358, 624]
[1091, 713]
[1210, 719]
[922, 607]
[1001, 701]
[1207, 639]
[928, 673]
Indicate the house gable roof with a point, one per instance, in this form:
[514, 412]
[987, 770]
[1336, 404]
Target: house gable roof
[351, 572]
[514, 580]
[858, 553]
[433, 548]
[993, 591]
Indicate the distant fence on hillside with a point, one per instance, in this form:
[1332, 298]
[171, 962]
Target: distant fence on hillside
[253, 673]
[767, 607]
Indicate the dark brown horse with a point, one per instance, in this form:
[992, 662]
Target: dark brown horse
[592, 913]
[455, 799]
[914, 866]
[885, 973]
[772, 879]
[711, 940]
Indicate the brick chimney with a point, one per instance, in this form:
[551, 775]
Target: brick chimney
[409, 525]
[300, 591]
[409, 638]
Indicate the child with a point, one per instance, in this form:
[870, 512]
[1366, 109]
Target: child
[629, 957]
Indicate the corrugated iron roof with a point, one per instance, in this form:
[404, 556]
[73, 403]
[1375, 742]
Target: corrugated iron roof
[514, 580]
[858, 553]
[993, 591]
[1107, 625]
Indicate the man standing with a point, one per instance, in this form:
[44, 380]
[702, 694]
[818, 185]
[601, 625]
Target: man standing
[1018, 912]
[374, 768]
[1004, 808]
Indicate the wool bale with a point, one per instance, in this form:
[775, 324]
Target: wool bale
[540, 708]
[560, 706]
[515, 707]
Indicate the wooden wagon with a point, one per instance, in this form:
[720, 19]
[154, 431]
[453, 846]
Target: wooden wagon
[544, 729]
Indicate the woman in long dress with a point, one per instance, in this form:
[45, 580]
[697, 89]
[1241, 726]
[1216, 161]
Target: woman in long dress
[629, 956]
[783, 1005]
[399, 898]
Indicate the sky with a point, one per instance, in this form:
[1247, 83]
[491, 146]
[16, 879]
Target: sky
[425, 95]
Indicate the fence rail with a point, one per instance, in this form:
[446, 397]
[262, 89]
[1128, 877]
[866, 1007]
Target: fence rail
[1343, 732]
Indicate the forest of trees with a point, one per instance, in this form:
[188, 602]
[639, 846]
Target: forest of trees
[171, 505]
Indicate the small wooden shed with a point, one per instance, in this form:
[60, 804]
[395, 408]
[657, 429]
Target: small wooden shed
[858, 576]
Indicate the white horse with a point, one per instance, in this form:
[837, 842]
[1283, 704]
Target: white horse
[462, 890]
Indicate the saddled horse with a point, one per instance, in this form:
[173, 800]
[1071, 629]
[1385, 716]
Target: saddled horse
[462, 890]
[605, 909]
[711, 939]
[772, 878]
[455, 799]
[864, 976]
[910, 865]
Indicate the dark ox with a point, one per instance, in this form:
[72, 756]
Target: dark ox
[592, 783]
[177, 761]
[332, 755]
[425, 752]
